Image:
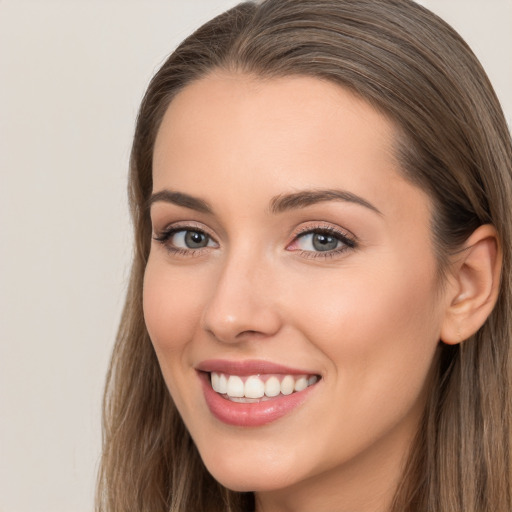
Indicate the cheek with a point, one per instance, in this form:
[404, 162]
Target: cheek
[379, 337]
[378, 329]
[172, 307]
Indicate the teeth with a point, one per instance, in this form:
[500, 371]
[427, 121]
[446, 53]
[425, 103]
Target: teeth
[301, 383]
[255, 387]
[272, 387]
[287, 385]
[235, 386]
[312, 380]
[223, 384]
[215, 382]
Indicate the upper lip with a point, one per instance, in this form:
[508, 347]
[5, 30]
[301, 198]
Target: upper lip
[248, 367]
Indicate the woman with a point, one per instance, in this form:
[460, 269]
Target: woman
[318, 312]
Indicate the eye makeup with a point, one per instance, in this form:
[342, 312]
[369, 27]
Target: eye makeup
[185, 239]
[311, 241]
[322, 241]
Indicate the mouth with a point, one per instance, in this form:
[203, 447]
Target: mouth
[253, 393]
[259, 388]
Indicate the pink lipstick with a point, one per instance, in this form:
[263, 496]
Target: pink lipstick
[253, 393]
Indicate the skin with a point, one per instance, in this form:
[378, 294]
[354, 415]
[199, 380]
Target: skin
[367, 319]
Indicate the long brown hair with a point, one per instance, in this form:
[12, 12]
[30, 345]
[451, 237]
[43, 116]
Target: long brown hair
[454, 143]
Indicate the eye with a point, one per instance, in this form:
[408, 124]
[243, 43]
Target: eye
[318, 242]
[185, 240]
[322, 240]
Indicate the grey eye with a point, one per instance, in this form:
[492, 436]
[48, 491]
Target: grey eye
[188, 239]
[195, 240]
[323, 242]
[318, 242]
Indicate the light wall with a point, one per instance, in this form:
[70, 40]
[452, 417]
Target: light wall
[72, 74]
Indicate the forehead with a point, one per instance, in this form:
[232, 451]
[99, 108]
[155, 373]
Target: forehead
[287, 133]
[268, 108]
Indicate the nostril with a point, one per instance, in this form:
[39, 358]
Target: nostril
[251, 334]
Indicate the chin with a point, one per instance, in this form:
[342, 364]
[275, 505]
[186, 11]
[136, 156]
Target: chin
[249, 476]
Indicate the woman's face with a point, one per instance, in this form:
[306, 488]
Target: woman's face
[292, 260]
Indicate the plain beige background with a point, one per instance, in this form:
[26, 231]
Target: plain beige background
[72, 73]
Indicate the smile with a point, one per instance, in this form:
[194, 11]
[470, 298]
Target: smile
[254, 393]
[258, 388]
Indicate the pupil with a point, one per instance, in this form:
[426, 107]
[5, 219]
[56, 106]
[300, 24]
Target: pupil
[322, 242]
[193, 240]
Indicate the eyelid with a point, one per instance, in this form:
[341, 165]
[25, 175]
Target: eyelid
[164, 235]
[174, 227]
[326, 227]
[347, 238]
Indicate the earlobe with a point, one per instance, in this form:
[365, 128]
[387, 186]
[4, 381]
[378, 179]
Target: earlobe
[475, 282]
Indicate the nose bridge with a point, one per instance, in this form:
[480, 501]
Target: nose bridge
[242, 302]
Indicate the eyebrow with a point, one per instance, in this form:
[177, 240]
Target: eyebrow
[278, 204]
[305, 198]
[180, 199]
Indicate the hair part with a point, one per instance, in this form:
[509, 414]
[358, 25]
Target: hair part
[453, 142]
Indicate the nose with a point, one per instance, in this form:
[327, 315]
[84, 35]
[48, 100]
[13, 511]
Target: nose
[243, 303]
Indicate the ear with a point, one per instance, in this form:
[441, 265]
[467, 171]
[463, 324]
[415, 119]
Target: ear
[474, 285]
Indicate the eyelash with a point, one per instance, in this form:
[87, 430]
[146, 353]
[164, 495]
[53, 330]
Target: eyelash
[347, 241]
[164, 237]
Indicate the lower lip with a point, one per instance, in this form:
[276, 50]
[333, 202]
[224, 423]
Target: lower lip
[250, 414]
